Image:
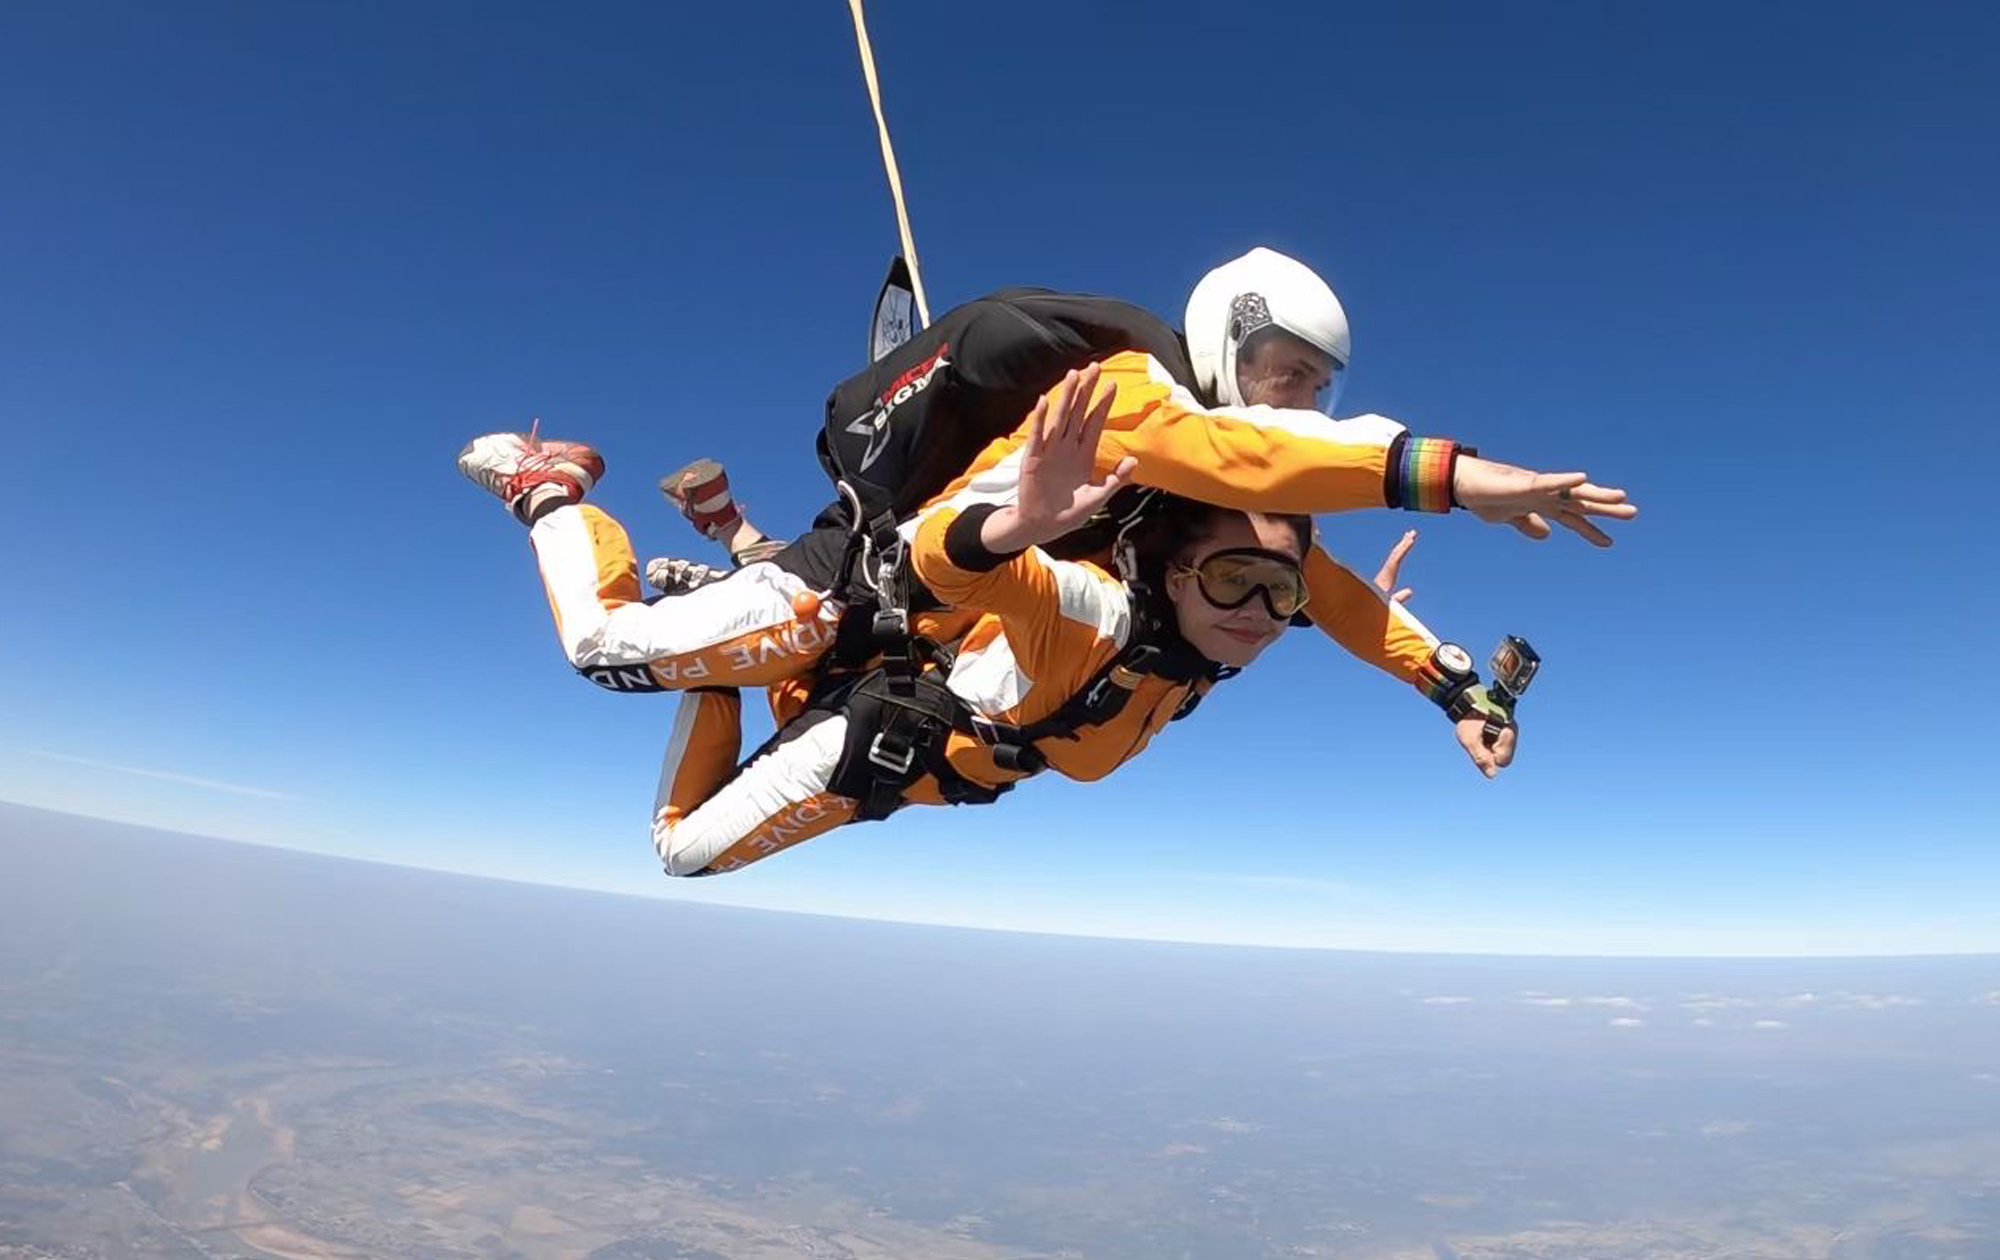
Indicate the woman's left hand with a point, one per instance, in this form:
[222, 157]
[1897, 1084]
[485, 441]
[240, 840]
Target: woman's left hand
[1471, 734]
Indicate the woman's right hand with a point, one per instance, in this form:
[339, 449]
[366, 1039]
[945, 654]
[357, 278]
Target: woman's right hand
[1056, 493]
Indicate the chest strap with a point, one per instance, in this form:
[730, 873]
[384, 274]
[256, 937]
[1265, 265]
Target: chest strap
[901, 715]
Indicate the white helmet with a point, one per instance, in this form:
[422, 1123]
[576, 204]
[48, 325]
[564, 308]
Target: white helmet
[1259, 290]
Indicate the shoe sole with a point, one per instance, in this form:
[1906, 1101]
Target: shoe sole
[575, 464]
[699, 471]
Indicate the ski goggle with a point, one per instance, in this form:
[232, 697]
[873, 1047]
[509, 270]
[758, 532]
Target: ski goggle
[1230, 578]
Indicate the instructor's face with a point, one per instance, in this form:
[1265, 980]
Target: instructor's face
[1276, 369]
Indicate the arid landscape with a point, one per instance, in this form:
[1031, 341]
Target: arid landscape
[301, 1058]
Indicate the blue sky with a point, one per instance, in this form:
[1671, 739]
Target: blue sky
[264, 268]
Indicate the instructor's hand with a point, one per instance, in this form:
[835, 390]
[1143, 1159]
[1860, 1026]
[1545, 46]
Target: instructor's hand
[1502, 494]
[1471, 734]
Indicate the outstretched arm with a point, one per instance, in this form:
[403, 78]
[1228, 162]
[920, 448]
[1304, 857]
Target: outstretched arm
[1370, 621]
[1266, 459]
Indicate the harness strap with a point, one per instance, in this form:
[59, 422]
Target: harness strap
[894, 738]
[900, 718]
[901, 715]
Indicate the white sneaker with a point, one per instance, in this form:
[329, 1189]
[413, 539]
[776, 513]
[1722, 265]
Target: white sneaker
[514, 465]
[670, 576]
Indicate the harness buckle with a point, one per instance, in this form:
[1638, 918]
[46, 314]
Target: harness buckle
[1020, 758]
[897, 759]
[890, 624]
[1095, 696]
[890, 570]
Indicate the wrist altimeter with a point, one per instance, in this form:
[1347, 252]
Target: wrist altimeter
[1456, 678]
[1513, 666]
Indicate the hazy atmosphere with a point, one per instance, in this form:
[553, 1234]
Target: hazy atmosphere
[298, 1056]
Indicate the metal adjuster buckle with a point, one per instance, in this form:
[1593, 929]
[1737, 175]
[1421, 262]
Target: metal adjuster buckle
[895, 760]
[889, 570]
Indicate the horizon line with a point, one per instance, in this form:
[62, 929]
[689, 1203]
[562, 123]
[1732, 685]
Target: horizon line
[898, 921]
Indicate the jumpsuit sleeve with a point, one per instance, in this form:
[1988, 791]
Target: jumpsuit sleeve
[1370, 625]
[1056, 614]
[1256, 459]
[1266, 459]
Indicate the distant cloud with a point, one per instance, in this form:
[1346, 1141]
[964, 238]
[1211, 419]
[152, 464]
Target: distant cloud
[1770, 1023]
[1990, 998]
[1714, 1002]
[1619, 1003]
[1537, 998]
[213, 785]
[1874, 1001]
[1799, 999]
[1446, 1001]
[1703, 1021]
[1725, 1128]
[1626, 1021]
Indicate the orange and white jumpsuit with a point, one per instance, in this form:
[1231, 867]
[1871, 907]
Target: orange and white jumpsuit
[742, 631]
[1039, 631]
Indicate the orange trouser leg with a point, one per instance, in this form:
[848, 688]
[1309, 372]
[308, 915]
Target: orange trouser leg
[701, 751]
[774, 802]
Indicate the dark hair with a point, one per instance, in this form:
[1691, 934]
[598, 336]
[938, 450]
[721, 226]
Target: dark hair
[1174, 527]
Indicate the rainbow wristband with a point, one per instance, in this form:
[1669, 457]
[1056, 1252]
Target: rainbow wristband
[1437, 688]
[1422, 468]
